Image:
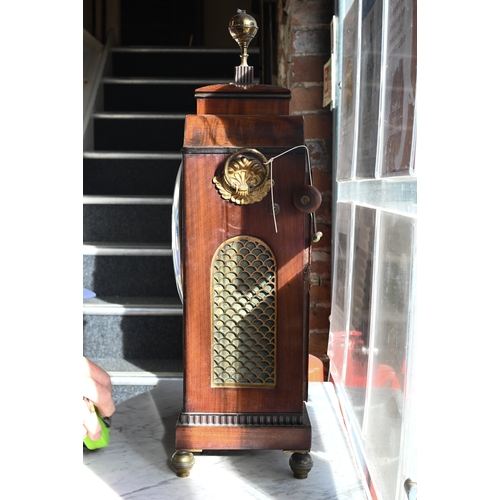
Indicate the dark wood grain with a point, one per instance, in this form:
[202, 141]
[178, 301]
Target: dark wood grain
[231, 118]
[209, 222]
[242, 100]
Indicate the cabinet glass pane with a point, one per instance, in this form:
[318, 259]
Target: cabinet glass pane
[359, 326]
[369, 92]
[338, 318]
[400, 88]
[389, 339]
[348, 95]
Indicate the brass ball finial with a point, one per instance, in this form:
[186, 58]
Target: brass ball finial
[243, 28]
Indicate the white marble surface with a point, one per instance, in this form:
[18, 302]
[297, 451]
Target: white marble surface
[136, 464]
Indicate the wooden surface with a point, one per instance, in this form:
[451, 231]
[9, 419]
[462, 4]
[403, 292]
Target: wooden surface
[208, 221]
[242, 100]
[230, 118]
[238, 131]
[244, 437]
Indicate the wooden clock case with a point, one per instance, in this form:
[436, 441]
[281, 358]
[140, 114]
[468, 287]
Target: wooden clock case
[245, 325]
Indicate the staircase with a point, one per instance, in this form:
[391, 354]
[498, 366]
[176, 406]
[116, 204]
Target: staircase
[133, 327]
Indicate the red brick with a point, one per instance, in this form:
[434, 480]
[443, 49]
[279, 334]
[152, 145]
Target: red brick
[306, 99]
[318, 126]
[320, 151]
[321, 263]
[311, 12]
[324, 212]
[319, 319]
[323, 181]
[320, 295]
[306, 69]
[318, 344]
[312, 41]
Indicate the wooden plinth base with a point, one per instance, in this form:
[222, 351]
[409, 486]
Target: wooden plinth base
[271, 433]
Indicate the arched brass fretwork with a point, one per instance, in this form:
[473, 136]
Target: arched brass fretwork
[244, 314]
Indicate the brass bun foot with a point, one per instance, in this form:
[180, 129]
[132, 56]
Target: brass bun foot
[182, 462]
[301, 463]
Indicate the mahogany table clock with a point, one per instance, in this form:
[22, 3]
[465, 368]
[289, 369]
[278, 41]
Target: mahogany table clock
[244, 228]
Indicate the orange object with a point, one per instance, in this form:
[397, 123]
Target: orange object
[316, 371]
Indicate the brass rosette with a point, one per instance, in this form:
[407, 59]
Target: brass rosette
[245, 177]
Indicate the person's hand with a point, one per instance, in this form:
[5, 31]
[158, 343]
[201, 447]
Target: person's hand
[97, 390]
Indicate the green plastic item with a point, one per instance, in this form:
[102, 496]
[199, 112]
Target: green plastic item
[103, 441]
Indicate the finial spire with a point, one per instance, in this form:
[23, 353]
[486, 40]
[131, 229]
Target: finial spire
[243, 28]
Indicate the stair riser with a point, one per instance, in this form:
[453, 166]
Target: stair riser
[127, 223]
[123, 392]
[133, 338]
[168, 98]
[181, 64]
[138, 134]
[129, 276]
[125, 177]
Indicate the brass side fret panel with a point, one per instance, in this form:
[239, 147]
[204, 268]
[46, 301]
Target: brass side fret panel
[244, 314]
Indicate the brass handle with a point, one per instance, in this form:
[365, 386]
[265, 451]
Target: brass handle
[245, 177]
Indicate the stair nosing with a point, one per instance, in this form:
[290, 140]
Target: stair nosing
[98, 199]
[136, 155]
[121, 249]
[154, 80]
[107, 115]
[114, 306]
[141, 378]
[200, 50]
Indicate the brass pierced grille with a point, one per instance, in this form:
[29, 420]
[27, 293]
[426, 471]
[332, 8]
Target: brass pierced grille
[244, 314]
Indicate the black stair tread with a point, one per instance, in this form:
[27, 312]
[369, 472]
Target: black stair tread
[139, 131]
[135, 301]
[168, 367]
[129, 275]
[196, 62]
[111, 173]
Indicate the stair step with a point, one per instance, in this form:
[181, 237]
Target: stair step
[132, 306]
[126, 200]
[130, 223]
[128, 381]
[142, 378]
[139, 131]
[131, 155]
[129, 276]
[133, 337]
[188, 62]
[122, 80]
[95, 248]
[122, 173]
[152, 94]
[146, 368]
[135, 115]
[122, 393]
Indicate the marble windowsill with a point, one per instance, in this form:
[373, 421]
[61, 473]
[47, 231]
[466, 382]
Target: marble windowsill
[136, 464]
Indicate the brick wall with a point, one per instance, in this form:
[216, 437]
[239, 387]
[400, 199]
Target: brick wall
[303, 49]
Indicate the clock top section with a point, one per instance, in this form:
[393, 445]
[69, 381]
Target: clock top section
[253, 99]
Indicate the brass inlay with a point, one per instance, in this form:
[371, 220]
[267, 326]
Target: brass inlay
[245, 178]
[244, 314]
